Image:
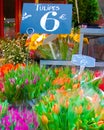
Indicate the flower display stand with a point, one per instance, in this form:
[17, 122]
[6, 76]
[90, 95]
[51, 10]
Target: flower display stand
[88, 32]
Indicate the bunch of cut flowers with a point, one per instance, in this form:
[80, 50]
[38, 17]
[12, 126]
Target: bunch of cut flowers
[70, 110]
[17, 119]
[60, 46]
[14, 50]
[24, 84]
[5, 69]
[71, 78]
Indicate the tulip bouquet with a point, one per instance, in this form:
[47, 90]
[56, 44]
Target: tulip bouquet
[16, 119]
[30, 82]
[24, 84]
[70, 110]
[69, 78]
[4, 69]
[75, 102]
[63, 45]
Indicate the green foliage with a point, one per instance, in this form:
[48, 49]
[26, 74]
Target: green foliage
[44, 52]
[64, 49]
[88, 11]
[3, 108]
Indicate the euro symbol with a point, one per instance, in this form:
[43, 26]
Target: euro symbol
[63, 17]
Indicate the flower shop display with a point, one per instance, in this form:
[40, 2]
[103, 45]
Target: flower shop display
[64, 45]
[55, 94]
[26, 49]
[30, 82]
[51, 97]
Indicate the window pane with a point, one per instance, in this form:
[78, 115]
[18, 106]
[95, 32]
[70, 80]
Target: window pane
[9, 21]
[9, 9]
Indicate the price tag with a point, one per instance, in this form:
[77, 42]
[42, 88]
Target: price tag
[83, 60]
[46, 18]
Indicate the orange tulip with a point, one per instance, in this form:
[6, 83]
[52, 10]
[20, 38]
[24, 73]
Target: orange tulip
[71, 45]
[66, 103]
[55, 108]
[52, 97]
[73, 70]
[61, 100]
[100, 122]
[89, 107]
[77, 85]
[57, 71]
[61, 80]
[44, 119]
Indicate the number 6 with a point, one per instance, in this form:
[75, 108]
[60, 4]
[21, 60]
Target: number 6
[45, 18]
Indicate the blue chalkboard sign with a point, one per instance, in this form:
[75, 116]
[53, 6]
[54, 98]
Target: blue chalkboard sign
[46, 18]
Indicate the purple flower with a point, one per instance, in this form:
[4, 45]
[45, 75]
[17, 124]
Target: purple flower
[5, 121]
[12, 81]
[26, 82]
[20, 119]
[0, 108]
[22, 85]
[21, 126]
[7, 128]
[34, 81]
[35, 120]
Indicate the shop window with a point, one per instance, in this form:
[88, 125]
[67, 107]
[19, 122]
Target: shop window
[9, 21]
